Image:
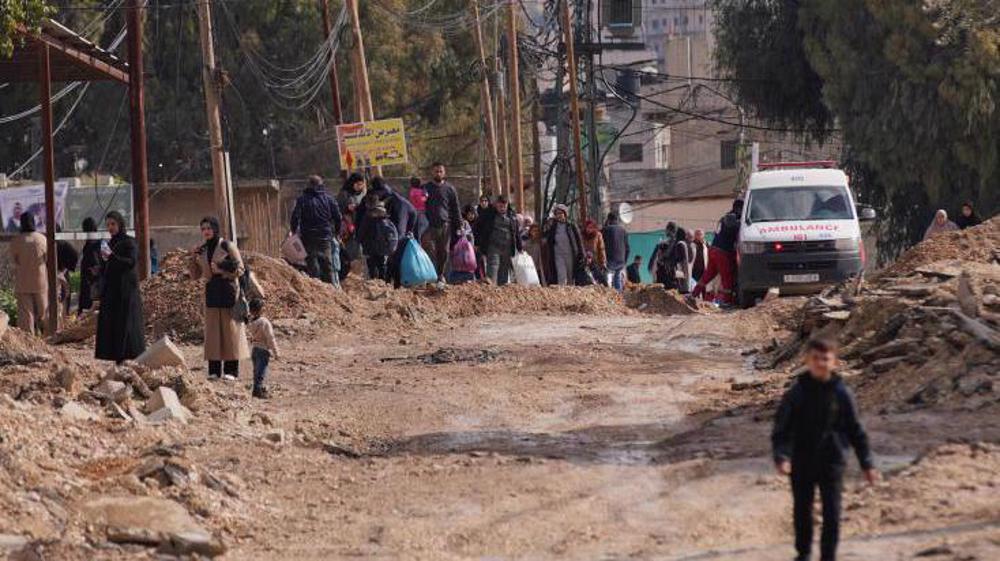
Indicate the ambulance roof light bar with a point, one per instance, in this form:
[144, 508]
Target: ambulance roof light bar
[819, 164]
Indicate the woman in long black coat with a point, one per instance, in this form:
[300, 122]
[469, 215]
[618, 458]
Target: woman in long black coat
[119, 318]
[90, 266]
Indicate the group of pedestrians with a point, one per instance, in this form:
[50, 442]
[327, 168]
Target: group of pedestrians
[967, 218]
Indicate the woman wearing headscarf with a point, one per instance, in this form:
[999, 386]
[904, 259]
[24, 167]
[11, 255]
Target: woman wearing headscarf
[119, 319]
[565, 247]
[219, 263]
[593, 242]
[968, 217]
[28, 252]
[90, 267]
[940, 224]
[682, 262]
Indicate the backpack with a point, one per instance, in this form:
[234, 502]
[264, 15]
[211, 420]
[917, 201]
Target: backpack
[385, 238]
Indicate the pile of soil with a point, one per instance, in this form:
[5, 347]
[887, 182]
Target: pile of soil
[654, 299]
[173, 302]
[927, 335]
[980, 244]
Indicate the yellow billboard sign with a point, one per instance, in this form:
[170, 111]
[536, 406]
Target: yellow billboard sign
[375, 143]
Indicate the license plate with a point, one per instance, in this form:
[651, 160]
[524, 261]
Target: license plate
[814, 277]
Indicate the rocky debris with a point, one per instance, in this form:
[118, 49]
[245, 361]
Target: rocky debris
[654, 299]
[12, 543]
[162, 353]
[919, 338]
[974, 245]
[111, 390]
[66, 378]
[449, 355]
[170, 470]
[152, 522]
[164, 406]
[276, 436]
[77, 412]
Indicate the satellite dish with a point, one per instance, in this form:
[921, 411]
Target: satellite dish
[625, 213]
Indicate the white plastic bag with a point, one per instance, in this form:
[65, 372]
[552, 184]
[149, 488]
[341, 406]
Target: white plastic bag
[293, 251]
[524, 270]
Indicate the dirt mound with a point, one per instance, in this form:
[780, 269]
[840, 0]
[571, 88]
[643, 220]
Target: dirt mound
[653, 299]
[980, 244]
[173, 302]
[926, 335]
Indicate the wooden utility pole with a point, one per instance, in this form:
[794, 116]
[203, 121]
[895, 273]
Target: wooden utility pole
[574, 109]
[487, 103]
[515, 108]
[361, 64]
[49, 173]
[338, 116]
[501, 118]
[137, 116]
[209, 78]
[536, 145]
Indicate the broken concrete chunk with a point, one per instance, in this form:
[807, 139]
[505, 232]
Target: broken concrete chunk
[164, 406]
[12, 543]
[161, 354]
[886, 364]
[150, 521]
[838, 315]
[192, 543]
[966, 294]
[111, 390]
[76, 412]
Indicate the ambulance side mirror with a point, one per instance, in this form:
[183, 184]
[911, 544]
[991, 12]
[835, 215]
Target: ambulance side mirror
[866, 213]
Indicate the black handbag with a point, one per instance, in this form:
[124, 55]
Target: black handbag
[220, 292]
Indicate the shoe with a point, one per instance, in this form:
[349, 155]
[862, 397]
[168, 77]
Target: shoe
[261, 393]
[802, 557]
[229, 377]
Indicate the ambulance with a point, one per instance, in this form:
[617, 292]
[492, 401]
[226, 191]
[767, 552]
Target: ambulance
[800, 230]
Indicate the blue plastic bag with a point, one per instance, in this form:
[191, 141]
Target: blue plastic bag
[416, 268]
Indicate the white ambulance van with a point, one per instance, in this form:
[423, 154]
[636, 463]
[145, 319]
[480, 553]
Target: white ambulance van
[800, 230]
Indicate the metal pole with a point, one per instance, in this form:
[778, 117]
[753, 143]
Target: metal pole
[49, 173]
[536, 145]
[487, 102]
[208, 77]
[574, 109]
[137, 115]
[515, 107]
[338, 116]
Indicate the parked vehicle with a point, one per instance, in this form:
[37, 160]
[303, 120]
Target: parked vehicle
[799, 231]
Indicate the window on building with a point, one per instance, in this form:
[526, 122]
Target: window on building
[620, 12]
[727, 154]
[630, 153]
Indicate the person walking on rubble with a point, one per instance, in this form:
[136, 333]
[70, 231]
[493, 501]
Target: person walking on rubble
[317, 220]
[120, 325]
[443, 217]
[28, 252]
[219, 262]
[815, 426]
[722, 256]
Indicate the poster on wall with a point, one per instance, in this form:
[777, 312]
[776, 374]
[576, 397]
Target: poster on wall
[31, 198]
[375, 143]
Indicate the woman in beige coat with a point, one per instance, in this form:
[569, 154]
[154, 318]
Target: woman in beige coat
[218, 261]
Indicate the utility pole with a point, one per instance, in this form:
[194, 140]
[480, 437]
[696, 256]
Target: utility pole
[338, 116]
[515, 106]
[137, 114]
[361, 64]
[49, 171]
[501, 119]
[209, 77]
[536, 145]
[574, 109]
[593, 144]
[491, 137]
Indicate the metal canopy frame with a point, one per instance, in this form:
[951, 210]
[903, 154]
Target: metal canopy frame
[54, 53]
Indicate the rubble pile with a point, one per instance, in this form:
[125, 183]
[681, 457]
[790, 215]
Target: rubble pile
[654, 299]
[173, 302]
[979, 244]
[923, 336]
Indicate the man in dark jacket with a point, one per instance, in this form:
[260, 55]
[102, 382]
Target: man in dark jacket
[443, 218]
[722, 256]
[317, 220]
[399, 210]
[616, 248]
[661, 264]
[817, 423]
[498, 238]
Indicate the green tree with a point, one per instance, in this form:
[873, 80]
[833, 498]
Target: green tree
[15, 14]
[912, 86]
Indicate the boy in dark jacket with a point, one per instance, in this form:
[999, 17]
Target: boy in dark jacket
[817, 423]
[379, 238]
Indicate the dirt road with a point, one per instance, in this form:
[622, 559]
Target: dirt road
[573, 437]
